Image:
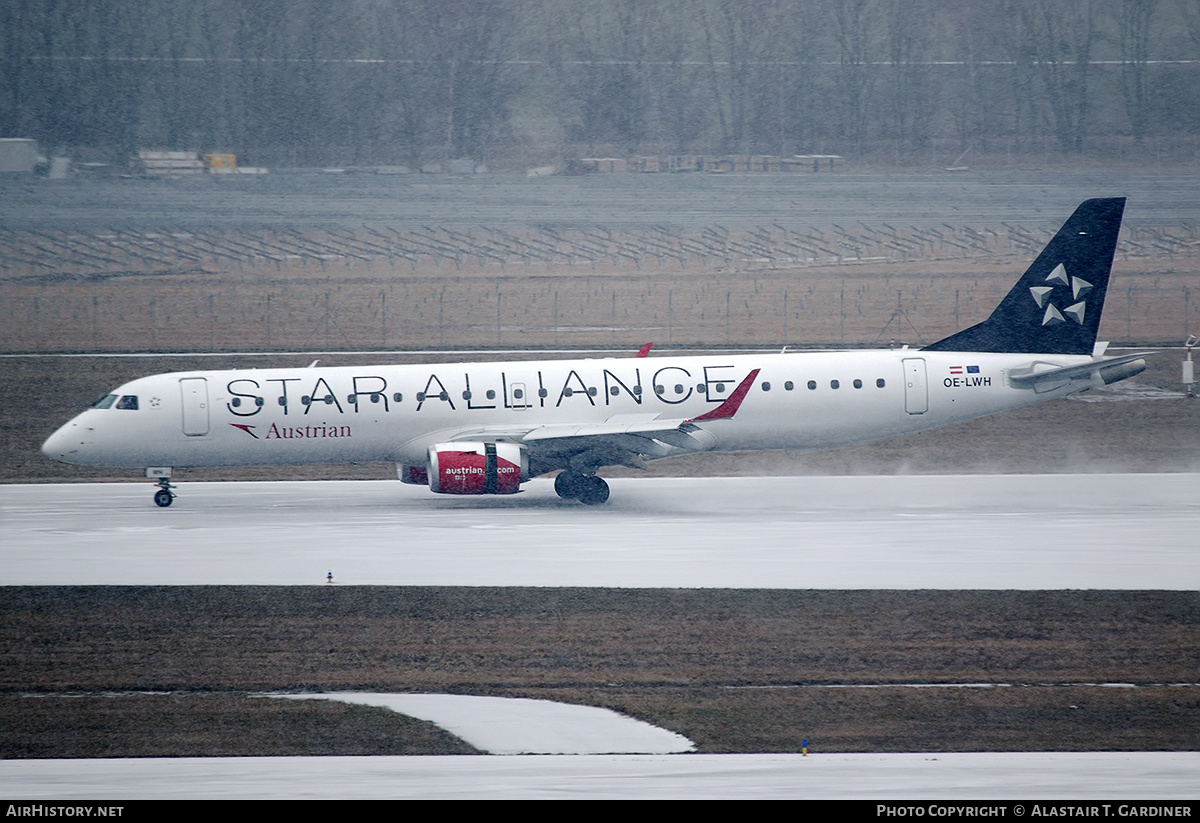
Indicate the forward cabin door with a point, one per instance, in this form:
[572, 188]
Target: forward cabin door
[916, 390]
[195, 406]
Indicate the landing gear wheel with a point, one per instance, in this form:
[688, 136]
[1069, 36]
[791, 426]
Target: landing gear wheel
[594, 491]
[164, 495]
[568, 485]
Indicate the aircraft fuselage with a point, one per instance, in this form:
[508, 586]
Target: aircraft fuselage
[800, 401]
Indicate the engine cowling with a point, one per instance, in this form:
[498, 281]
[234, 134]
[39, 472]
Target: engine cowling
[477, 468]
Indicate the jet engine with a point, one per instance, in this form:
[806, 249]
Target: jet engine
[477, 468]
[413, 475]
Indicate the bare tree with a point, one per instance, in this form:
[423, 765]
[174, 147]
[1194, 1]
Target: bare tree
[731, 45]
[1134, 25]
[1068, 35]
[856, 34]
[912, 88]
[611, 43]
[475, 86]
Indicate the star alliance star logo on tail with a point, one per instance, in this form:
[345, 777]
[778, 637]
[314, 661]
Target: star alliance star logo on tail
[1042, 296]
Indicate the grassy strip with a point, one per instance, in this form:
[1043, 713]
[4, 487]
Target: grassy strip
[209, 725]
[734, 670]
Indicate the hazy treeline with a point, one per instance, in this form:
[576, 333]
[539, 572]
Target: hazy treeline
[512, 82]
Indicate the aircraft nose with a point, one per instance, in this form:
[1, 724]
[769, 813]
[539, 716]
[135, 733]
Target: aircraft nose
[60, 446]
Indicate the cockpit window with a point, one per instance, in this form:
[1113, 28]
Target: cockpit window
[105, 402]
[128, 402]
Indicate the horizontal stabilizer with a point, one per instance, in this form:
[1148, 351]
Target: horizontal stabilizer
[1108, 370]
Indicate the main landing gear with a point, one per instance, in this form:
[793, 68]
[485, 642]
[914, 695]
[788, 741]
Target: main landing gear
[586, 488]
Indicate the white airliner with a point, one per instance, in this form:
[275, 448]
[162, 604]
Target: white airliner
[485, 428]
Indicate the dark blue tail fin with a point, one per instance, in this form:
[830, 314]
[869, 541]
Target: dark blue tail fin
[1055, 307]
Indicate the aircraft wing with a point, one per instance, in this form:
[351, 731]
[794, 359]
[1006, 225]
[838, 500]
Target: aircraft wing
[624, 439]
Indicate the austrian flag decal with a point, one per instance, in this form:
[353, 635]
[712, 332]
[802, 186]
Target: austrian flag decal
[960, 378]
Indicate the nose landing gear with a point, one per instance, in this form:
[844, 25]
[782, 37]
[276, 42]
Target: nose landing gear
[166, 492]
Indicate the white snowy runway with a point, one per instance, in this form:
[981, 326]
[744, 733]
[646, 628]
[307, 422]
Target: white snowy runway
[962, 532]
[1120, 776]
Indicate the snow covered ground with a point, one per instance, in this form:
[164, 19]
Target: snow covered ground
[1094, 776]
[517, 725]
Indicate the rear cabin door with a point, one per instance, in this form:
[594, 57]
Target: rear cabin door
[195, 406]
[916, 390]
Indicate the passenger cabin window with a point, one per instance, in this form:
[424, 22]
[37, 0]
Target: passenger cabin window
[857, 383]
[128, 402]
[812, 384]
[880, 383]
[105, 402]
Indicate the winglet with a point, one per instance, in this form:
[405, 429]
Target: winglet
[732, 403]
[644, 351]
